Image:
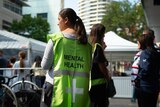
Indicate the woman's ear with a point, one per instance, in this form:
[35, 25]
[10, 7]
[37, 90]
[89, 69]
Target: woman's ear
[66, 20]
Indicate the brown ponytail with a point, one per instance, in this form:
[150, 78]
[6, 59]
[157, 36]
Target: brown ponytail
[22, 56]
[80, 30]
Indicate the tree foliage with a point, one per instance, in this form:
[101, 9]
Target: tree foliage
[125, 19]
[36, 28]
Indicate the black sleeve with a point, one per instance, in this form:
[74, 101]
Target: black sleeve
[99, 55]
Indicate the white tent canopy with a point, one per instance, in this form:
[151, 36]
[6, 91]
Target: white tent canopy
[119, 49]
[13, 42]
[116, 43]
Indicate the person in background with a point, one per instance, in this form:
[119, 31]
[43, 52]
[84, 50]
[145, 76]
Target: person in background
[99, 72]
[12, 61]
[151, 33]
[39, 74]
[148, 74]
[3, 62]
[9, 72]
[71, 61]
[135, 66]
[21, 64]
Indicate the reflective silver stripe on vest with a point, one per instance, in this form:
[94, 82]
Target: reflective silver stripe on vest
[71, 73]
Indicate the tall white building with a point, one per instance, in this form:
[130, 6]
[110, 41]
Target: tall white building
[92, 11]
[47, 9]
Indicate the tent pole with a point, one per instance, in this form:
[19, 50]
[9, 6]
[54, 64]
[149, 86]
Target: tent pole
[111, 63]
[29, 53]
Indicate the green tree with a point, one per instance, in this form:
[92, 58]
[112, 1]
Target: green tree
[125, 19]
[36, 28]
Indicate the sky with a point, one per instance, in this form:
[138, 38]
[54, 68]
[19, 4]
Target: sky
[74, 3]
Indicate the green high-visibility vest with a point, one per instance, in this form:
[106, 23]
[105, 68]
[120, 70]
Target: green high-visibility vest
[99, 80]
[72, 63]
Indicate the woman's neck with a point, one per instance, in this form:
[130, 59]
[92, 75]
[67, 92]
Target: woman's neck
[69, 30]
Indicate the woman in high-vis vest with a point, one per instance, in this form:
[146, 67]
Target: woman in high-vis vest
[99, 72]
[71, 60]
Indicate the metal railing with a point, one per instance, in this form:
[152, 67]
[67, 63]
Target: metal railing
[123, 84]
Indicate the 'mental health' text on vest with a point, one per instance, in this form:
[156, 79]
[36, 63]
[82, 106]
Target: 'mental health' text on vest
[70, 61]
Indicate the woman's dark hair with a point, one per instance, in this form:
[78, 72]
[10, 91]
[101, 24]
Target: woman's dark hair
[149, 41]
[146, 41]
[141, 40]
[149, 32]
[97, 34]
[13, 59]
[76, 22]
[38, 60]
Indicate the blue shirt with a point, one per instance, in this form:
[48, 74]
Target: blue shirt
[149, 71]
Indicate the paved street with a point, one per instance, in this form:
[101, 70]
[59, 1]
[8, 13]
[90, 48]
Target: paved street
[121, 102]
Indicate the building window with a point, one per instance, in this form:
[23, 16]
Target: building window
[42, 15]
[6, 25]
[12, 6]
[156, 2]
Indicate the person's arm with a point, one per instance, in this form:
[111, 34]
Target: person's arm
[104, 70]
[47, 60]
[15, 70]
[100, 59]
